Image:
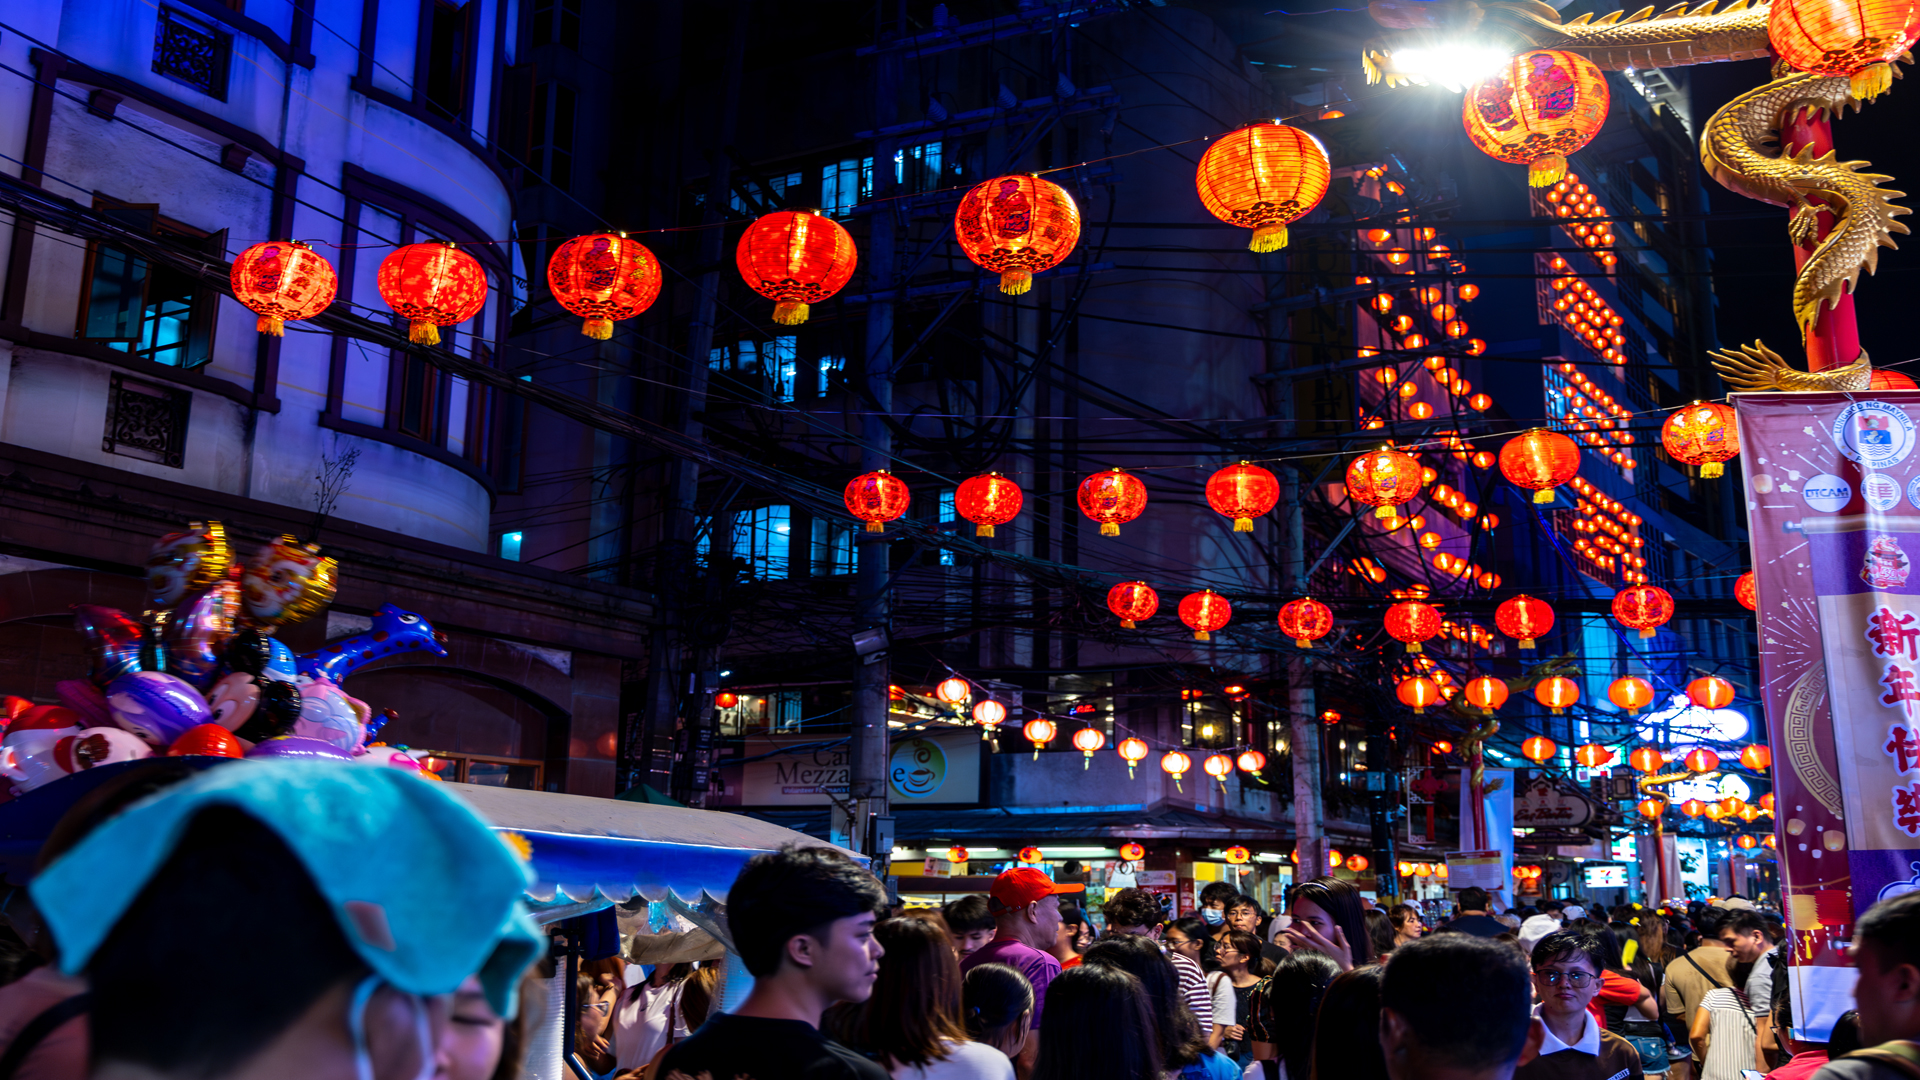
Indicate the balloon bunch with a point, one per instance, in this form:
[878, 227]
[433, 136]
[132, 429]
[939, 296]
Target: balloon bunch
[204, 674]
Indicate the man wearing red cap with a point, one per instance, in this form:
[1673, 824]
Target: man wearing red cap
[1025, 903]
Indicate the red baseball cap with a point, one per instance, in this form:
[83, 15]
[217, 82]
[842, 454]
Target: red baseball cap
[1023, 885]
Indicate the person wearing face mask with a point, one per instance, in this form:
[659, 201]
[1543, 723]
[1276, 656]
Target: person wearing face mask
[1214, 900]
[365, 954]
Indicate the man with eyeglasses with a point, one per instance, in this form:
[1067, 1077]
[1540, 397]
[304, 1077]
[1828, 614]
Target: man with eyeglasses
[1574, 1046]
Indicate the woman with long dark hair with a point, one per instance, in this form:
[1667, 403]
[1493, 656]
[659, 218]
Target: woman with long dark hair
[1283, 1008]
[911, 1023]
[1241, 966]
[1346, 1034]
[1097, 1027]
[1184, 1050]
[1329, 919]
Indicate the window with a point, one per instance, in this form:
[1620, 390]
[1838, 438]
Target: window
[493, 772]
[832, 548]
[844, 184]
[551, 145]
[510, 545]
[917, 168]
[830, 368]
[947, 517]
[146, 421]
[416, 398]
[781, 185]
[449, 45]
[192, 52]
[556, 22]
[153, 312]
[774, 364]
[513, 442]
[758, 541]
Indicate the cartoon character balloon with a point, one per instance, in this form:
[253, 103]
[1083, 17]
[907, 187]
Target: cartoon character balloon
[329, 715]
[86, 699]
[156, 706]
[286, 581]
[388, 757]
[113, 641]
[393, 631]
[185, 562]
[196, 632]
[253, 707]
[26, 753]
[90, 747]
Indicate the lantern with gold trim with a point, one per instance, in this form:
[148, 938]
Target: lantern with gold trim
[283, 281]
[603, 278]
[1017, 226]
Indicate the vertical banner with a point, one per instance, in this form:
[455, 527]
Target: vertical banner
[1833, 511]
[1499, 807]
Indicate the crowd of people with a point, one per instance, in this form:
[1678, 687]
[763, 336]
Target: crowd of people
[233, 929]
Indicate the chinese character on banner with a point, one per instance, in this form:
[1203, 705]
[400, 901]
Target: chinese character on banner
[1900, 688]
[1906, 809]
[1904, 745]
[1894, 635]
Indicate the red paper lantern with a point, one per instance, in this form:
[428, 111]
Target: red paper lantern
[1357, 863]
[1766, 802]
[1539, 748]
[1261, 177]
[877, 498]
[1087, 740]
[1757, 757]
[1888, 379]
[1039, 731]
[1645, 608]
[1545, 105]
[1710, 692]
[432, 285]
[1858, 40]
[1218, 766]
[1133, 752]
[1238, 855]
[1242, 492]
[1593, 755]
[1693, 808]
[1442, 746]
[987, 500]
[1484, 692]
[1031, 855]
[1539, 460]
[1701, 759]
[1134, 602]
[1417, 693]
[1132, 852]
[1251, 761]
[1204, 612]
[958, 854]
[1645, 759]
[1631, 693]
[1412, 622]
[1747, 591]
[989, 713]
[953, 691]
[283, 281]
[1175, 764]
[603, 278]
[1112, 498]
[1306, 621]
[796, 258]
[1017, 226]
[1702, 434]
[1747, 841]
[726, 699]
[1557, 694]
[1384, 479]
[1524, 618]
[1652, 808]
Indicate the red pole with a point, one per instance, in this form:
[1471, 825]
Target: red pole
[1659, 865]
[1835, 338]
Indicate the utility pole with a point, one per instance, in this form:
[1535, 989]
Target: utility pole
[865, 822]
[1309, 815]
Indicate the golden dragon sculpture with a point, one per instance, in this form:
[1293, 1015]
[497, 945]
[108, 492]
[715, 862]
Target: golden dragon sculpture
[1739, 145]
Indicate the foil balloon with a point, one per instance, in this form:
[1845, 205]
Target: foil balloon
[293, 746]
[387, 757]
[286, 581]
[89, 747]
[26, 753]
[156, 706]
[254, 653]
[184, 562]
[86, 699]
[329, 715]
[393, 631]
[196, 633]
[232, 700]
[207, 740]
[11, 707]
[113, 641]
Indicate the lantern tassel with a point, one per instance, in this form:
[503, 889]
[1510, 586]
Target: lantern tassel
[1414, 646]
[1528, 643]
[272, 324]
[1108, 528]
[1242, 524]
[1268, 238]
[1176, 784]
[1085, 765]
[1303, 643]
[1544, 495]
[790, 313]
[422, 332]
[1648, 632]
[1128, 624]
[598, 329]
[1870, 83]
[1202, 635]
[1712, 470]
[1546, 171]
[875, 526]
[1016, 282]
[1385, 512]
[983, 530]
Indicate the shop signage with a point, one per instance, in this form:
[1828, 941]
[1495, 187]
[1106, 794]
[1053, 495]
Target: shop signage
[925, 769]
[1544, 805]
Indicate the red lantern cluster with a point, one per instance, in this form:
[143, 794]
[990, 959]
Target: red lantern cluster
[1306, 621]
[1412, 622]
[1524, 619]
[1702, 434]
[1112, 498]
[603, 278]
[987, 500]
[432, 285]
[1539, 460]
[795, 258]
[1645, 608]
[1243, 492]
[1204, 612]
[283, 281]
[1262, 177]
[877, 498]
[1017, 226]
[1132, 602]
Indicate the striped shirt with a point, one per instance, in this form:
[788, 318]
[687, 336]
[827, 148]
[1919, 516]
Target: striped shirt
[1193, 990]
[1729, 1036]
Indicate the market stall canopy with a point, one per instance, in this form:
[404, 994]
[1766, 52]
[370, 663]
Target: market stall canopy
[587, 850]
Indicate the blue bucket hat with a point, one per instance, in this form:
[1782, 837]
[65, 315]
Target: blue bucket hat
[423, 890]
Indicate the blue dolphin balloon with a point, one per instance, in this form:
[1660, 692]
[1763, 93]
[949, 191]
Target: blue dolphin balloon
[394, 631]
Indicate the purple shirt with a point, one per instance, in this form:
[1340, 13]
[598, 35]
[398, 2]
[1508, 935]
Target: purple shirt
[1039, 968]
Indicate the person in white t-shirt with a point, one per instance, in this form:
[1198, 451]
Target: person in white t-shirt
[911, 1023]
[648, 1014]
